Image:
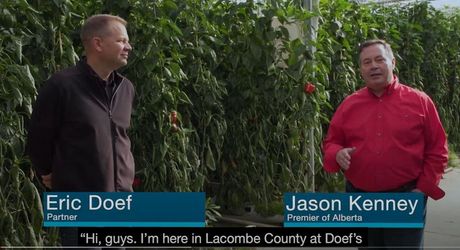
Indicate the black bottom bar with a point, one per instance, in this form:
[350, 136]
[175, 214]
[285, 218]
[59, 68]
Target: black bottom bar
[223, 237]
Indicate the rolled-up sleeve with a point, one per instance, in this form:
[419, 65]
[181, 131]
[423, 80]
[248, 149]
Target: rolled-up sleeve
[435, 153]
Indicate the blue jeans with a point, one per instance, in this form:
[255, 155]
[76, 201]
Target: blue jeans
[392, 238]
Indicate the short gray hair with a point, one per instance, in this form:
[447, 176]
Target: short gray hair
[97, 26]
[369, 43]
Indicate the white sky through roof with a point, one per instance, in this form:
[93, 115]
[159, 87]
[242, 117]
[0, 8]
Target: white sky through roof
[448, 3]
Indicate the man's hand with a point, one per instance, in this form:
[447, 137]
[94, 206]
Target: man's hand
[46, 180]
[343, 157]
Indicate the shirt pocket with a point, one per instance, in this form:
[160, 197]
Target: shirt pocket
[410, 129]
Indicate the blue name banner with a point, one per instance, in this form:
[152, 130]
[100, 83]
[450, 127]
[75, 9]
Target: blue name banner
[123, 209]
[373, 210]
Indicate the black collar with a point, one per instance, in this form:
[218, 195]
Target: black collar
[114, 78]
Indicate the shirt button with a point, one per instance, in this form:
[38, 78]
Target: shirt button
[380, 100]
[379, 116]
[378, 152]
[379, 134]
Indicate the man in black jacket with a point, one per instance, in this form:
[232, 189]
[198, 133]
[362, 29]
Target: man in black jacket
[78, 132]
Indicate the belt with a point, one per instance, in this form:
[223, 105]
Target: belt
[404, 188]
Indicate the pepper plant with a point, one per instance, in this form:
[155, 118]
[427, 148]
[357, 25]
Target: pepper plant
[226, 93]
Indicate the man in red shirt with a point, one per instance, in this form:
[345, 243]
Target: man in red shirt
[387, 137]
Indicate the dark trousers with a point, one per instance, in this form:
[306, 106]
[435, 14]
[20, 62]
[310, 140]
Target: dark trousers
[393, 238]
[69, 236]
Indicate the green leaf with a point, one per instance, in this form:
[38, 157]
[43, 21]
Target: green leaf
[255, 50]
[182, 96]
[210, 159]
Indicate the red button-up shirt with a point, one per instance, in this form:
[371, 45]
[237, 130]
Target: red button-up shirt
[398, 138]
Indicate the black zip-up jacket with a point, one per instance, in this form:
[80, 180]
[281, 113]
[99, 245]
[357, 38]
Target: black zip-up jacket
[79, 134]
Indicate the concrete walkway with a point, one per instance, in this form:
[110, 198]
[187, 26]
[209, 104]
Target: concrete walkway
[442, 228]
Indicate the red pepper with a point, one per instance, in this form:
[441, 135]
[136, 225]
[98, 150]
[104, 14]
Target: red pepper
[173, 117]
[309, 88]
[137, 182]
